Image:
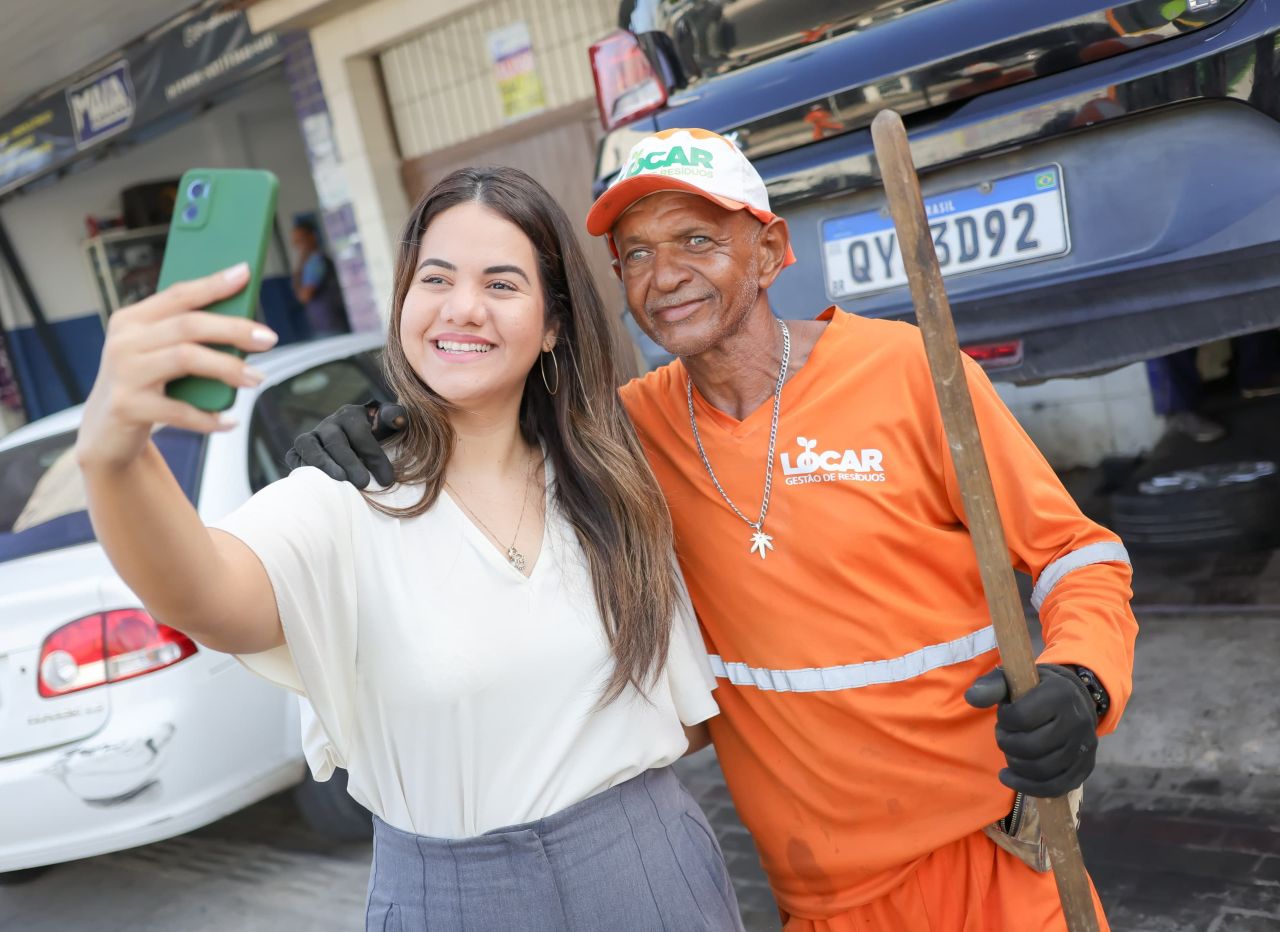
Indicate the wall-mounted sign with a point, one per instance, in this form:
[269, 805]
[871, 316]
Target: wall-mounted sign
[194, 57]
[34, 140]
[326, 166]
[102, 105]
[511, 51]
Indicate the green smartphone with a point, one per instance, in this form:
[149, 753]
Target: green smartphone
[222, 216]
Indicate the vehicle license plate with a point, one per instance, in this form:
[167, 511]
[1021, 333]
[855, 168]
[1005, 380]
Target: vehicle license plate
[997, 223]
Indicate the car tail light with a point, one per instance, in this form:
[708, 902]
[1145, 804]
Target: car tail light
[626, 84]
[107, 648]
[996, 355]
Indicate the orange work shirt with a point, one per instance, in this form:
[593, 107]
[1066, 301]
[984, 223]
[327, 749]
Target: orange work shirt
[843, 655]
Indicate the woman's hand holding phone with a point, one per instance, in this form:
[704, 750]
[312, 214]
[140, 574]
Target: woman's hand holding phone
[162, 338]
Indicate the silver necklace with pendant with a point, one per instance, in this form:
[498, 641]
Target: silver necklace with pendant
[514, 556]
[761, 542]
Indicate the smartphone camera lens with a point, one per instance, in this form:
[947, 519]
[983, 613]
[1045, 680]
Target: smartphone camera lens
[190, 213]
[197, 189]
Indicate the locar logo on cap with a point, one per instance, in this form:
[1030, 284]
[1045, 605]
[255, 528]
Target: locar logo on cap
[692, 161]
[678, 160]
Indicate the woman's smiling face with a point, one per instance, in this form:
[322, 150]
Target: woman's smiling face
[474, 319]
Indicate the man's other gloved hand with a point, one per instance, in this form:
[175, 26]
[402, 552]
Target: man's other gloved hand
[1049, 737]
[345, 445]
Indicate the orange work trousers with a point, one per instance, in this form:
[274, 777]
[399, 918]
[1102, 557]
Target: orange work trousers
[970, 885]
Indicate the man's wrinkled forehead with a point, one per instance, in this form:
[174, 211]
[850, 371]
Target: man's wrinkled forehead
[671, 208]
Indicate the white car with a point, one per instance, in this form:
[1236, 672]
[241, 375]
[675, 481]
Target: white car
[116, 731]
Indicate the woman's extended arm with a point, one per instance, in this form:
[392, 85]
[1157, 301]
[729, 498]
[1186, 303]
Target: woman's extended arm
[205, 583]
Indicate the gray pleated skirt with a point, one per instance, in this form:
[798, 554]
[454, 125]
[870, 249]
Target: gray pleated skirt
[639, 857]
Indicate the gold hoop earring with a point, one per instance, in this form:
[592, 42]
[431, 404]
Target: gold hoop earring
[555, 365]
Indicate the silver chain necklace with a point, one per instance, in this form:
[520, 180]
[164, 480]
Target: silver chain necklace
[761, 542]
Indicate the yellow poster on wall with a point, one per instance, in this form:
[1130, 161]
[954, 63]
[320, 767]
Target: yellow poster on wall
[519, 86]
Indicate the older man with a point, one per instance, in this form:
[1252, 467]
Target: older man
[822, 535]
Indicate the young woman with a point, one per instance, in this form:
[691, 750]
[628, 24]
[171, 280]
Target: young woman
[498, 647]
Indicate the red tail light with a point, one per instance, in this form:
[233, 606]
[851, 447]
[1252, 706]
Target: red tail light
[107, 648]
[996, 355]
[626, 84]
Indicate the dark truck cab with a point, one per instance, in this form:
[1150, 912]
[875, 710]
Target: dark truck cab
[1101, 180]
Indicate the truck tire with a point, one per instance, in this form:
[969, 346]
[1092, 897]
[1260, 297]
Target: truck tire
[1232, 515]
[330, 811]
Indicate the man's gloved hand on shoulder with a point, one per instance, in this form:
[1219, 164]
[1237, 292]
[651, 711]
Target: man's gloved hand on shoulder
[1050, 735]
[346, 445]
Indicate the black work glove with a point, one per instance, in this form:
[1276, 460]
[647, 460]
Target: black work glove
[345, 445]
[1049, 737]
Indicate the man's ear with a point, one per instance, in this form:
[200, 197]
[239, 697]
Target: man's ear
[616, 264]
[773, 242]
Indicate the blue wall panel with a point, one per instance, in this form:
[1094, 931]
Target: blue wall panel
[81, 341]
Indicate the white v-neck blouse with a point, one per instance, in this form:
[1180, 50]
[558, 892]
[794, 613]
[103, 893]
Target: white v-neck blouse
[458, 694]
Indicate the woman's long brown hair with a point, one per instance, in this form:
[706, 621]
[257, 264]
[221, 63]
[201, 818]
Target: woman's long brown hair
[603, 484]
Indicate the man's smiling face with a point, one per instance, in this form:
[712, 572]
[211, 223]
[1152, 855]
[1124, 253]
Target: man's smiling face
[690, 268]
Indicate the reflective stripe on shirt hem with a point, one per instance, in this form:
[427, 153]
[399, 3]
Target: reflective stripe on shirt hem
[1102, 552]
[857, 675]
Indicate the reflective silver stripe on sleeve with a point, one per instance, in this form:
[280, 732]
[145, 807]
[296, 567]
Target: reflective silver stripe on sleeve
[1104, 552]
[857, 675]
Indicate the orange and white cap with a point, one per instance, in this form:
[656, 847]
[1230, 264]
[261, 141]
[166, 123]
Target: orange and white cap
[695, 161]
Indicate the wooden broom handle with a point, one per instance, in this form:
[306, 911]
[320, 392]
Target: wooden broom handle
[933, 313]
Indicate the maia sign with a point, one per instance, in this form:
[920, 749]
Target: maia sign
[102, 105]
